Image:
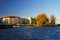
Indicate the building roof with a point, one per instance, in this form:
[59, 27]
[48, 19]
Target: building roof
[10, 17]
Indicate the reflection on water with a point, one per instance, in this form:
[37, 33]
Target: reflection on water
[30, 33]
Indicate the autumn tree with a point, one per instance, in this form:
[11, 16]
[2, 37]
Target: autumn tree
[42, 19]
[52, 20]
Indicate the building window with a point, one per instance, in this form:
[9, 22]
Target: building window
[6, 21]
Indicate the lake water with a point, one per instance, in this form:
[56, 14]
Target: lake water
[30, 33]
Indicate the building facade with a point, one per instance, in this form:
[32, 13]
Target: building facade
[28, 20]
[11, 20]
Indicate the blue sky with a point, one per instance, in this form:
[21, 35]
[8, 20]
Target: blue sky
[31, 8]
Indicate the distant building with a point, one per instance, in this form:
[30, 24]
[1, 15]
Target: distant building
[11, 20]
[57, 22]
[25, 21]
[28, 20]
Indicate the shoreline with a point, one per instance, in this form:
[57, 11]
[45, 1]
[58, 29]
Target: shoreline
[17, 26]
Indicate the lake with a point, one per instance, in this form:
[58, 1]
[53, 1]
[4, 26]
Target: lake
[30, 33]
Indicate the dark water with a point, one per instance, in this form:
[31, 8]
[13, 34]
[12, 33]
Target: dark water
[30, 33]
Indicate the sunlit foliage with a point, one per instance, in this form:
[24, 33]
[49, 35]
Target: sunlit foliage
[42, 20]
[52, 20]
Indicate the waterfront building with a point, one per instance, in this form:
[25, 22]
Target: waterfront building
[25, 21]
[31, 20]
[11, 20]
[57, 22]
[28, 20]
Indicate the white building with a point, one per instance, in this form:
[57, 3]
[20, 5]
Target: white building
[11, 20]
[25, 21]
[57, 22]
[28, 20]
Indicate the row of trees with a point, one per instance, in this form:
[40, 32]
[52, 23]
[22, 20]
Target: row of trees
[43, 20]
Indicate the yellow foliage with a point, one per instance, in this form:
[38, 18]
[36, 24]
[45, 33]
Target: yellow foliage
[41, 19]
[52, 19]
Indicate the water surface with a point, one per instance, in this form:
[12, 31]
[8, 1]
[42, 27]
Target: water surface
[30, 33]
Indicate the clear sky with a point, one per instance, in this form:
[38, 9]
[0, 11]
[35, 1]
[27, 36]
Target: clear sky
[30, 8]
